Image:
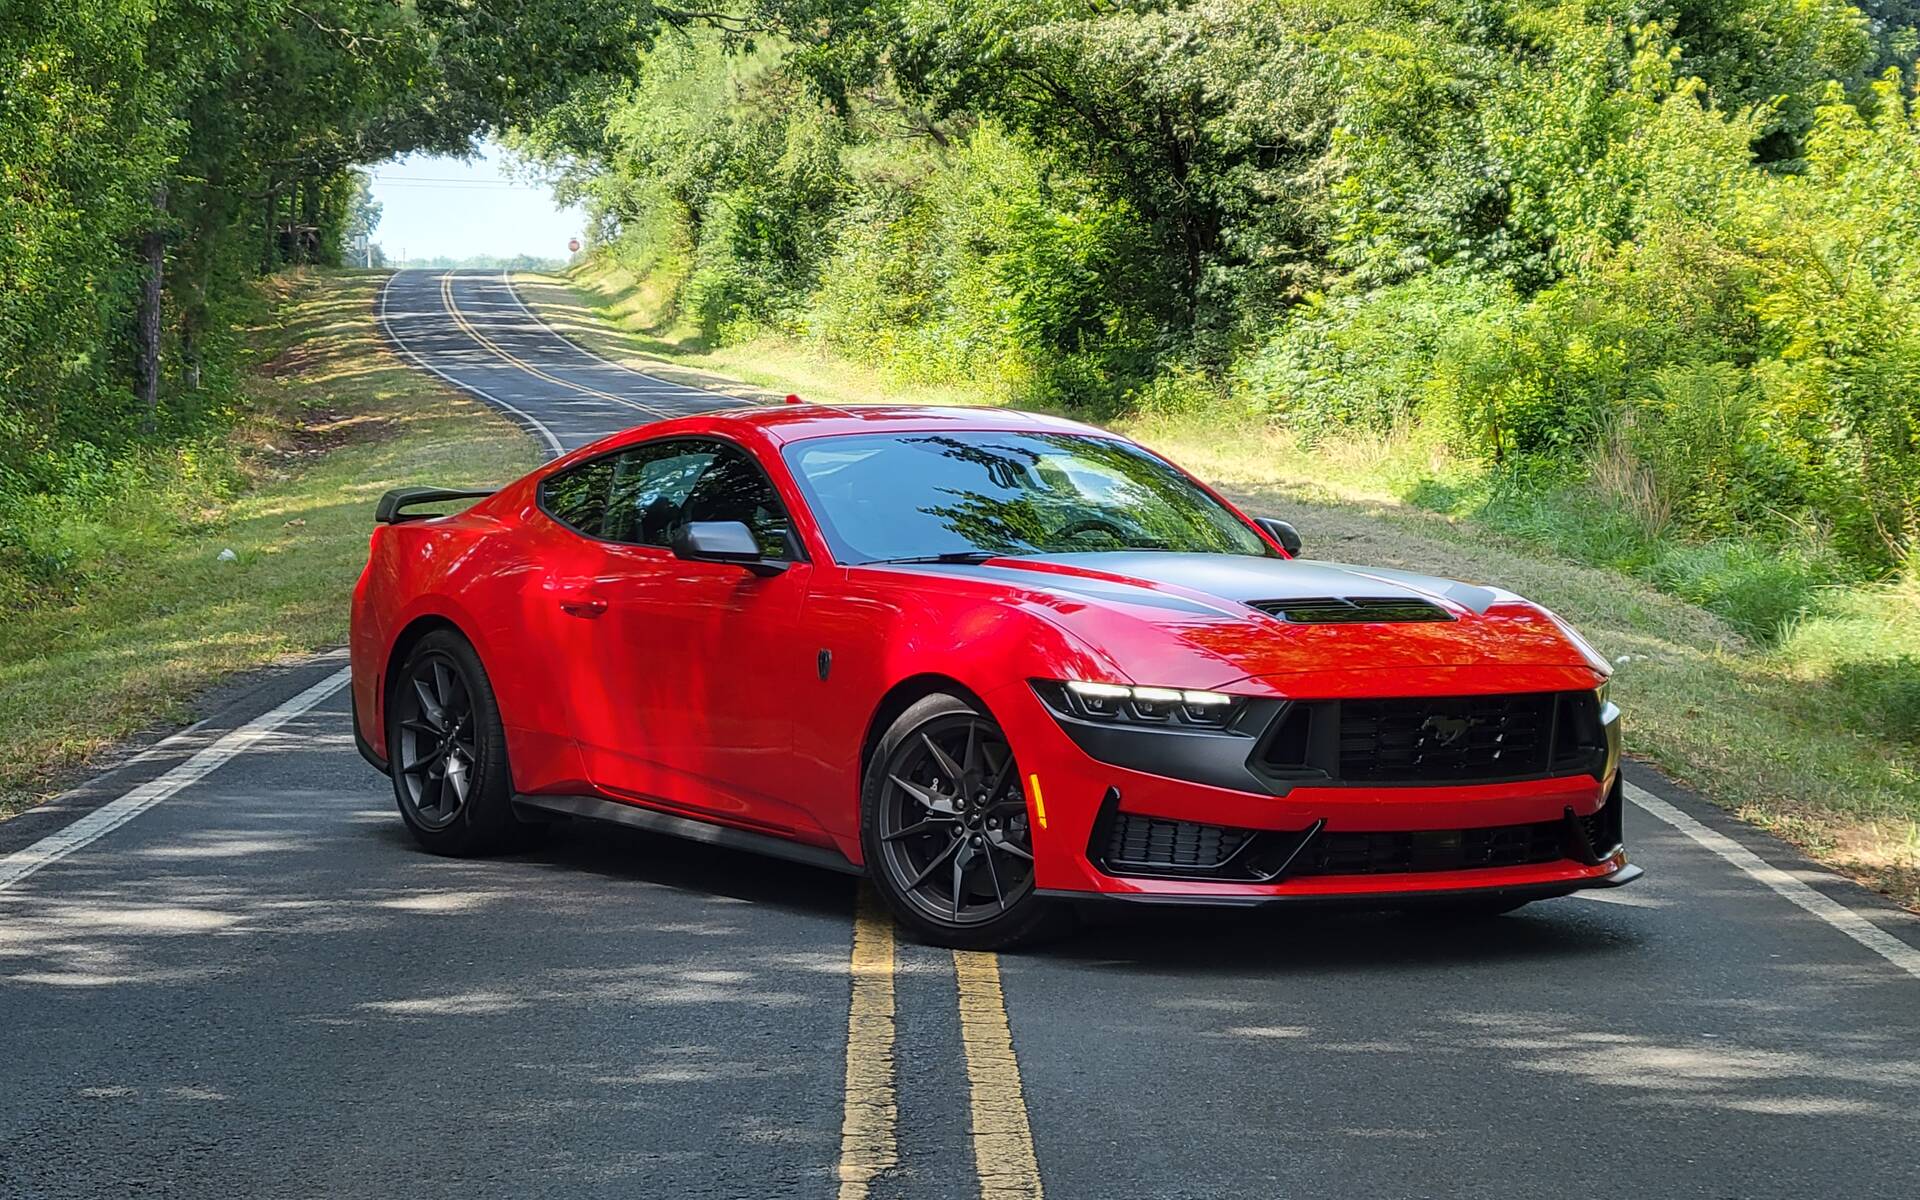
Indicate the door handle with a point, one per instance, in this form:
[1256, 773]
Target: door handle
[583, 606]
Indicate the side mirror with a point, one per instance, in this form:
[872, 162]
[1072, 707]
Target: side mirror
[722, 542]
[1282, 532]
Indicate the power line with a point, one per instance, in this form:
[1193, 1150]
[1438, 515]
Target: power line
[456, 183]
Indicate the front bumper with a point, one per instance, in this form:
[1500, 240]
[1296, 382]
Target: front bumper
[1402, 843]
[1247, 898]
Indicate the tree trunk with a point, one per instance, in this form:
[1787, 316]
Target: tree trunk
[154, 249]
[296, 212]
[270, 249]
[310, 197]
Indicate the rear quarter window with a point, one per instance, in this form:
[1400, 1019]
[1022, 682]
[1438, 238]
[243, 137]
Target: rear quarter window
[577, 497]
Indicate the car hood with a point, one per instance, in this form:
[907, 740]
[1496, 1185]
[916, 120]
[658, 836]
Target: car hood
[1188, 619]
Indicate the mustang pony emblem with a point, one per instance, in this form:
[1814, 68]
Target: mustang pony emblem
[1445, 731]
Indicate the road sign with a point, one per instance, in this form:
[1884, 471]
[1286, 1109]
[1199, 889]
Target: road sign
[573, 245]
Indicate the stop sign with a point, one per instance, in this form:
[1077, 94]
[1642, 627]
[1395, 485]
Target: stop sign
[573, 245]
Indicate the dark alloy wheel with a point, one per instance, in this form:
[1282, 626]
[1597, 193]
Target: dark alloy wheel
[437, 750]
[946, 830]
[449, 752]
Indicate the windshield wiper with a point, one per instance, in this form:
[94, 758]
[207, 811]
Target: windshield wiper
[951, 556]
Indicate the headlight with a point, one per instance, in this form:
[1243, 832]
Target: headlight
[1138, 704]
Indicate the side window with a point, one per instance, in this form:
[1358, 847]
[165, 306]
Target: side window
[650, 489]
[732, 488]
[577, 498]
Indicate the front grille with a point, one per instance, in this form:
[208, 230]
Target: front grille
[1438, 740]
[1433, 740]
[1432, 850]
[1150, 845]
[1352, 610]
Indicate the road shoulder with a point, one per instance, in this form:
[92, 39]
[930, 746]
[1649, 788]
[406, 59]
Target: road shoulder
[239, 588]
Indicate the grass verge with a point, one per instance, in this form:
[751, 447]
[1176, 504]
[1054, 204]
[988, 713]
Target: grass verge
[330, 419]
[1783, 734]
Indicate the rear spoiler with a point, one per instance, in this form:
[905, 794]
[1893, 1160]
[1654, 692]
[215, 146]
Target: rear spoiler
[393, 506]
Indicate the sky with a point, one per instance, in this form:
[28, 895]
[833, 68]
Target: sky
[442, 206]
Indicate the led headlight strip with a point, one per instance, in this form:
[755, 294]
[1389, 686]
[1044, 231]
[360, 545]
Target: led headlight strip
[1152, 695]
[1117, 701]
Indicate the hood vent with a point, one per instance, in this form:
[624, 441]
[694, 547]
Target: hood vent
[1352, 610]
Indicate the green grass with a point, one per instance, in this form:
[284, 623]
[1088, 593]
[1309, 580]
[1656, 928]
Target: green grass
[1793, 703]
[331, 420]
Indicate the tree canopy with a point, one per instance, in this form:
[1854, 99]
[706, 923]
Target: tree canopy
[1671, 236]
[1678, 236]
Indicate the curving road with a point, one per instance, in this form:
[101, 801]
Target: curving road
[226, 972]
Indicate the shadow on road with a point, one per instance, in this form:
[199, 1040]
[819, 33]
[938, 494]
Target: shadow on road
[1279, 941]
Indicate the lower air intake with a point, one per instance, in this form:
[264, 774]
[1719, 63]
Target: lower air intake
[1433, 850]
[1149, 845]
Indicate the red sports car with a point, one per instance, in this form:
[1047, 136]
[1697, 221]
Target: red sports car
[995, 661]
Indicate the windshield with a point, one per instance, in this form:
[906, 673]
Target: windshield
[918, 496]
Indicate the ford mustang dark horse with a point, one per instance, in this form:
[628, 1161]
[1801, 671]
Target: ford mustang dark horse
[993, 660]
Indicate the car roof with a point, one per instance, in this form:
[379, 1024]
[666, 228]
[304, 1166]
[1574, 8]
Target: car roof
[783, 423]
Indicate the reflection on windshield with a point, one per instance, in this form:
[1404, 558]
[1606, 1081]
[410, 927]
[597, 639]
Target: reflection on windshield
[930, 495]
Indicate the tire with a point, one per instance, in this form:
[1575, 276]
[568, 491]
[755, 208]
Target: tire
[449, 752]
[943, 823]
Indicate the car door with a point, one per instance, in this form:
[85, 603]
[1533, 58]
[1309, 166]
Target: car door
[696, 663]
[546, 701]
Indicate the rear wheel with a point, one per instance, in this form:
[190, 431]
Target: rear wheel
[449, 752]
[944, 827]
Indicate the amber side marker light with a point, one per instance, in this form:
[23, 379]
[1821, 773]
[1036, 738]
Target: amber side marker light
[1039, 801]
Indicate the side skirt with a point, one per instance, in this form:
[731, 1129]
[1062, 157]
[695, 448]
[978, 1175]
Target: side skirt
[594, 808]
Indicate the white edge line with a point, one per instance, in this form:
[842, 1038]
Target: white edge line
[115, 813]
[401, 344]
[1814, 901]
[461, 319]
[506, 277]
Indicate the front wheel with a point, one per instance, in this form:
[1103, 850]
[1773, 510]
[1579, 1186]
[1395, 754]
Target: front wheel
[945, 831]
[449, 752]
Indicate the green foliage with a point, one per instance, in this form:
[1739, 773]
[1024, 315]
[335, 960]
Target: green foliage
[59, 530]
[1361, 360]
[1663, 256]
[1758, 590]
[1885, 695]
[216, 135]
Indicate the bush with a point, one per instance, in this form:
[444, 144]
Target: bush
[1179, 390]
[1693, 431]
[1543, 380]
[81, 511]
[1885, 695]
[1359, 361]
[1757, 590]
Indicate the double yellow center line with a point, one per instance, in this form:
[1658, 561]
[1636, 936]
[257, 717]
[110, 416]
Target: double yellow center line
[467, 327]
[1002, 1139]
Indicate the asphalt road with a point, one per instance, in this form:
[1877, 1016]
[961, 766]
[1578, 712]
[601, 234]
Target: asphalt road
[225, 971]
